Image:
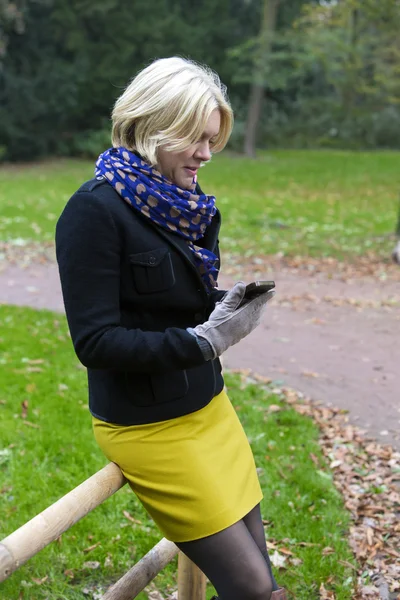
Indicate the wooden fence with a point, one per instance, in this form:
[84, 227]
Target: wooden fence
[47, 526]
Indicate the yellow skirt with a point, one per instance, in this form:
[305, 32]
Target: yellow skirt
[195, 475]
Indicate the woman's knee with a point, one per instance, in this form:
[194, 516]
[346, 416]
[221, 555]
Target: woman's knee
[255, 589]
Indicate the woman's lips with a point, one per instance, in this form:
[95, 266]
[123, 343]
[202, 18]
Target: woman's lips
[192, 171]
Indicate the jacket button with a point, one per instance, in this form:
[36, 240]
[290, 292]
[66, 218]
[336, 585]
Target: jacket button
[152, 260]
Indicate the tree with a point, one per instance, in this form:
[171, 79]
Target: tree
[266, 61]
[63, 71]
[11, 21]
[268, 25]
[357, 44]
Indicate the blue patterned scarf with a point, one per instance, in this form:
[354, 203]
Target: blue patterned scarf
[172, 208]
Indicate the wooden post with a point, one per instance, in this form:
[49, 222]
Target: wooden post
[140, 575]
[47, 526]
[191, 581]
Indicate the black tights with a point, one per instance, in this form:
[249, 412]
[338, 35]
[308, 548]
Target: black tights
[236, 560]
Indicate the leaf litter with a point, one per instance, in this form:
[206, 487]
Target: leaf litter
[367, 475]
[369, 265]
[23, 253]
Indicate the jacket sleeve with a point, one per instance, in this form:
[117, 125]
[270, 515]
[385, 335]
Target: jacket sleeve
[88, 250]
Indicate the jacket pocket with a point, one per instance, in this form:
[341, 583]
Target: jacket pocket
[148, 390]
[169, 386]
[152, 271]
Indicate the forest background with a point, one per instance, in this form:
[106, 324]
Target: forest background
[300, 74]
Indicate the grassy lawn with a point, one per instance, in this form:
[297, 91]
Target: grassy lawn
[47, 448]
[318, 203]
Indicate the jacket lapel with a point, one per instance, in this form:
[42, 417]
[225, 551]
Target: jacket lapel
[209, 242]
[210, 238]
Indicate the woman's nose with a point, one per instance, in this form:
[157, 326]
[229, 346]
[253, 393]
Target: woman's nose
[203, 151]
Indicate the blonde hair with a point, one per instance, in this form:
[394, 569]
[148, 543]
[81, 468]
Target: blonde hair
[168, 104]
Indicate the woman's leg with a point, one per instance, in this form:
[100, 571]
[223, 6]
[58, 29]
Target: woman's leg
[233, 563]
[254, 524]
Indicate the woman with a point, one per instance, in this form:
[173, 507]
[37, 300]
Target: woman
[137, 249]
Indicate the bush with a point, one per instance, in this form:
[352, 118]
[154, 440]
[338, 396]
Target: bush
[89, 144]
[322, 123]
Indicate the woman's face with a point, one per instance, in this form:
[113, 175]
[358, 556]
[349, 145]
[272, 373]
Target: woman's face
[182, 167]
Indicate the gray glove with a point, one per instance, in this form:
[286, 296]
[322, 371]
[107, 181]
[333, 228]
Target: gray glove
[227, 324]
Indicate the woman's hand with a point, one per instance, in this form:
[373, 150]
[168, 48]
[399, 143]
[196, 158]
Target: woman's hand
[228, 324]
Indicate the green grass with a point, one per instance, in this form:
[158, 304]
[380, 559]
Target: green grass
[32, 197]
[317, 203]
[40, 463]
[308, 203]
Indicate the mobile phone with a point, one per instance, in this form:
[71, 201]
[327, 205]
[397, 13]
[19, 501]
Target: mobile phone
[256, 288]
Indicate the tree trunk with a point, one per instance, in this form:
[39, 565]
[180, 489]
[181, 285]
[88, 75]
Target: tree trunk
[253, 116]
[349, 91]
[256, 96]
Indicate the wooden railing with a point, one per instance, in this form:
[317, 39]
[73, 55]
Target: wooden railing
[47, 526]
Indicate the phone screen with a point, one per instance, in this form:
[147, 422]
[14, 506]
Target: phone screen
[256, 288]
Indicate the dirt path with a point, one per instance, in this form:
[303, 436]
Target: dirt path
[335, 339]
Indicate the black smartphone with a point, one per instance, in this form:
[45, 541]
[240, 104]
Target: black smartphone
[255, 289]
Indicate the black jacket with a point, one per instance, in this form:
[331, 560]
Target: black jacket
[130, 291]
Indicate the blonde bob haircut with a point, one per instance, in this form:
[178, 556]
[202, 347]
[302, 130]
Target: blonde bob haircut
[168, 104]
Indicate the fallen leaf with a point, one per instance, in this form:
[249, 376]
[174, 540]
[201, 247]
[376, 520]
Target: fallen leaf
[278, 560]
[128, 516]
[40, 581]
[69, 573]
[310, 374]
[155, 595]
[314, 459]
[370, 536]
[91, 564]
[281, 473]
[31, 424]
[370, 590]
[108, 563]
[262, 379]
[285, 551]
[325, 594]
[90, 548]
[346, 563]
[24, 412]
[335, 463]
